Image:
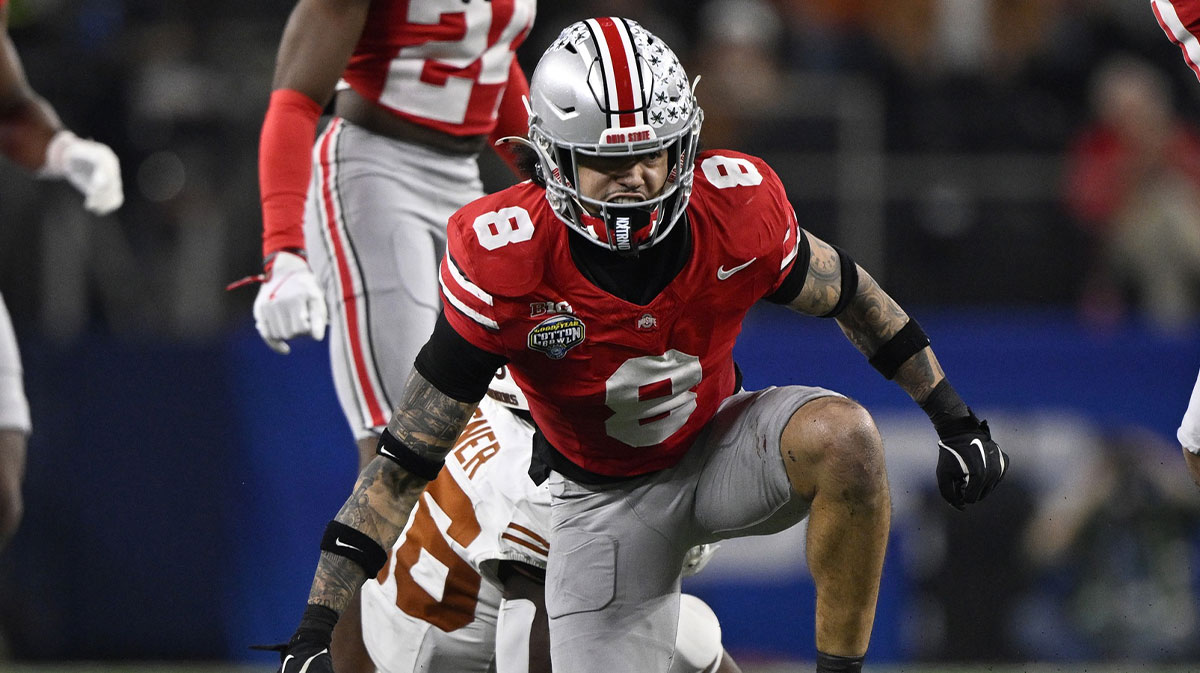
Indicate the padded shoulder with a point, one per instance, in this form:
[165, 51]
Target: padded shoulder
[500, 241]
[743, 201]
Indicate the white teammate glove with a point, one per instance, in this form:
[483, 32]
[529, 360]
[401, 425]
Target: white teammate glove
[289, 303]
[89, 166]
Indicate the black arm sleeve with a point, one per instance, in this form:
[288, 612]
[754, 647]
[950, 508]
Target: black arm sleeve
[790, 288]
[454, 365]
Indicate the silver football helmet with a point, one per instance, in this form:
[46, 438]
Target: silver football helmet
[608, 87]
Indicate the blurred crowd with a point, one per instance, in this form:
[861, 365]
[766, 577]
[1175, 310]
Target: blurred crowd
[970, 151]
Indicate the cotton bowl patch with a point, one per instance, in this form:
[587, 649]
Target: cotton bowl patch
[555, 336]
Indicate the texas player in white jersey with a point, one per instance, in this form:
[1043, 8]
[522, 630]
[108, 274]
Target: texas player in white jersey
[462, 588]
[613, 286]
[354, 225]
[32, 136]
[1180, 20]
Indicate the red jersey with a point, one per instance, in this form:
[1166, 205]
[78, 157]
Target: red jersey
[1180, 20]
[618, 388]
[441, 63]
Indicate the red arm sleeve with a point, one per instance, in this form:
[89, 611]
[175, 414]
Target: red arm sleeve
[511, 118]
[284, 167]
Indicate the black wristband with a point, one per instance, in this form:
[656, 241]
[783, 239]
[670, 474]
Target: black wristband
[316, 625]
[909, 341]
[949, 414]
[399, 453]
[355, 545]
[832, 663]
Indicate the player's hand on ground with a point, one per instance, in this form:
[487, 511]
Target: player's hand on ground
[307, 651]
[970, 464]
[90, 167]
[302, 656]
[289, 303]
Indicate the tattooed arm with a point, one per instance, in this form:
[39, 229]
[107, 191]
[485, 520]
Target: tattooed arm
[970, 463]
[428, 422]
[868, 321]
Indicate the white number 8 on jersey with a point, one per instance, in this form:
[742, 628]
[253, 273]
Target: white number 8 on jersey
[726, 172]
[501, 227]
[643, 413]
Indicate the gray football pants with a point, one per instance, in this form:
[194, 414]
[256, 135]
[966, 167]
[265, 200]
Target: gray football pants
[375, 226]
[612, 585]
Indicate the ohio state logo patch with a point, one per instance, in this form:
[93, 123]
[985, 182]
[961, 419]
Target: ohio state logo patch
[555, 336]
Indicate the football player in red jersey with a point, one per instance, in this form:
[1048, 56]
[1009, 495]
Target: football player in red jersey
[1180, 20]
[354, 226]
[463, 588]
[613, 286]
[32, 136]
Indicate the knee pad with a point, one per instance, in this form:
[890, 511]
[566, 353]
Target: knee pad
[698, 641]
[512, 635]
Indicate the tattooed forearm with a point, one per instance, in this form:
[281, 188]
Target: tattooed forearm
[427, 422]
[919, 375]
[872, 317]
[382, 500]
[336, 581]
[868, 321]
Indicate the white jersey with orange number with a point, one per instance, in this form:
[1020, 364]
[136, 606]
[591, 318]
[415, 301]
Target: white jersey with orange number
[430, 609]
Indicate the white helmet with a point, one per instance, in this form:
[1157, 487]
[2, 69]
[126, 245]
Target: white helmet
[608, 87]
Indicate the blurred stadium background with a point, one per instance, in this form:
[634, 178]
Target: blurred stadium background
[962, 150]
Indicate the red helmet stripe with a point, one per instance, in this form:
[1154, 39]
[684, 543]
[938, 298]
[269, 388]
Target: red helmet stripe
[617, 57]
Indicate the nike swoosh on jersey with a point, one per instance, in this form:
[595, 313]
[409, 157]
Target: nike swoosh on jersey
[722, 273]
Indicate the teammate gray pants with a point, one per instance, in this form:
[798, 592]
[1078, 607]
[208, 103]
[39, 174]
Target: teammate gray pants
[375, 225]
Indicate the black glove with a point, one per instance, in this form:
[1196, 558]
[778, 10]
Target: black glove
[308, 650]
[970, 464]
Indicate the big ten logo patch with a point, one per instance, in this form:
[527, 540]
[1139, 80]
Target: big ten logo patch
[537, 308]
